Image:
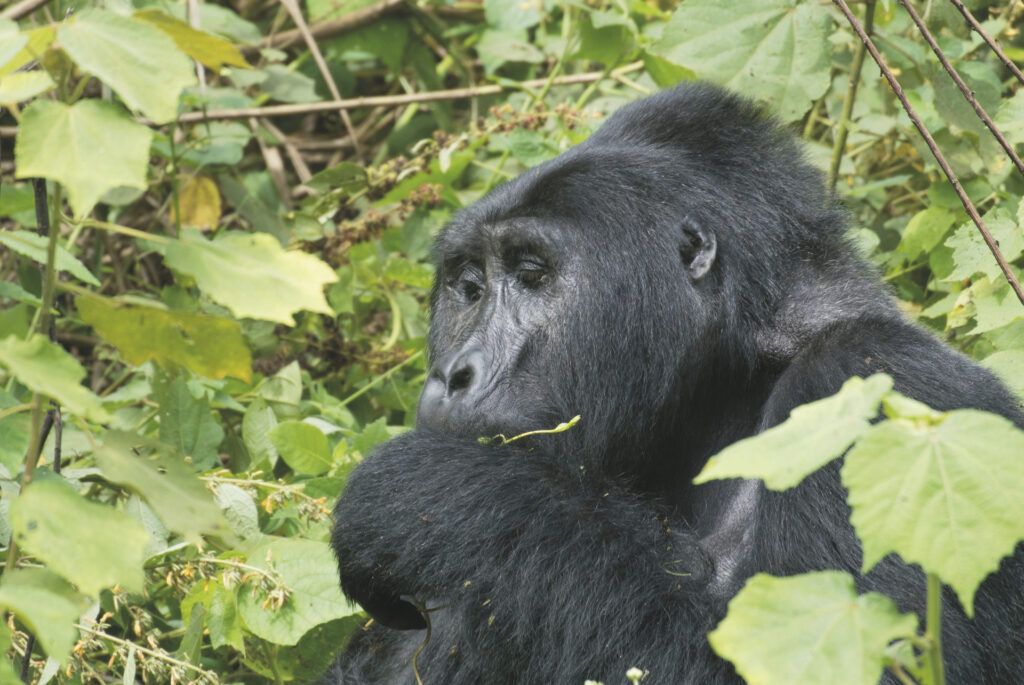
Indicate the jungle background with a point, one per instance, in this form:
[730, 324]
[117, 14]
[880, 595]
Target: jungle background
[214, 305]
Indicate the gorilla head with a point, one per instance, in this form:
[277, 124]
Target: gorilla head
[627, 280]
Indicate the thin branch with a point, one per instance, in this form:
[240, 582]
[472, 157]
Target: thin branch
[988, 39]
[967, 92]
[296, 14]
[394, 100]
[966, 201]
[851, 94]
[20, 9]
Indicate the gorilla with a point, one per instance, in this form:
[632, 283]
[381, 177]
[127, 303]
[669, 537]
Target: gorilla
[681, 280]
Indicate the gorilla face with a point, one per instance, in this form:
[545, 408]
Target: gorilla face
[543, 313]
[502, 288]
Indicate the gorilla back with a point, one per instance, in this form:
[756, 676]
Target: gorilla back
[681, 280]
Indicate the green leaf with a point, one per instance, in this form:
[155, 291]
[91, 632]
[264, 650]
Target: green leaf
[33, 246]
[212, 346]
[92, 545]
[926, 229]
[308, 569]
[187, 425]
[46, 368]
[772, 50]
[970, 253]
[813, 435]
[11, 41]
[222, 617]
[663, 72]
[24, 85]
[90, 147]
[608, 43]
[1008, 365]
[252, 275]
[161, 477]
[257, 422]
[346, 176]
[512, 15]
[239, 509]
[302, 446]
[942, 492]
[38, 41]
[812, 629]
[530, 148]
[47, 604]
[498, 47]
[211, 51]
[140, 62]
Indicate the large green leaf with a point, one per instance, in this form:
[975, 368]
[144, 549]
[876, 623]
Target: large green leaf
[1008, 365]
[972, 255]
[162, 478]
[309, 571]
[221, 618]
[942, 491]
[92, 545]
[212, 346]
[252, 275]
[212, 51]
[48, 369]
[90, 147]
[812, 436]
[811, 629]
[24, 85]
[33, 246]
[772, 50]
[302, 446]
[47, 604]
[139, 61]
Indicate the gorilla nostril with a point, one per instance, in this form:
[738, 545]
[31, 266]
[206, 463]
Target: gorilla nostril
[461, 379]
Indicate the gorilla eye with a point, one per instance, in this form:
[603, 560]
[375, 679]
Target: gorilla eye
[532, 274]
[468, 284]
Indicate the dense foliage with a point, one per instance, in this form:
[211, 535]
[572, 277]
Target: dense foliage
[214, 304]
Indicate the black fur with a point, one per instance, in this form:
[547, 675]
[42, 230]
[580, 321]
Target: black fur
[681, 280]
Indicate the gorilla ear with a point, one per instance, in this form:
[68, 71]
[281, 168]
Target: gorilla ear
[697, 249]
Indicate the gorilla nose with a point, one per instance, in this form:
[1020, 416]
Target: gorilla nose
[461, 372]
[455, 382]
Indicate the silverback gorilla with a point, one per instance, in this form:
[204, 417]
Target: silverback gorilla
[681, 280]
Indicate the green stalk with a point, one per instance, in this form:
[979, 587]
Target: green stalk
[851, 94]
[933, 631]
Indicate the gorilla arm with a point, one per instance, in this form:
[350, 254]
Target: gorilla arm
[506, 537]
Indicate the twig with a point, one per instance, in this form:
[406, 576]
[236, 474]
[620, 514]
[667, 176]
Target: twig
[19, 10]
[966, 201]
[296, 14]
[290, 149]
[967, 92]
[275, 166]
[988, 39]
[394, 100]
[167, 658]
[349, 22]
[851, 94]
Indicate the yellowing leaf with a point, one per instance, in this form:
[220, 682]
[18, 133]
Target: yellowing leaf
[38, 41]
[11, 41]
[92, 545]
[140, 62]
[813, 435]
[943, 492]
[24, 85]
[90, 147]
[811, 629]
[252, 275]
[212, 346]
[199, 200]
[46, 368]
[212, 51]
